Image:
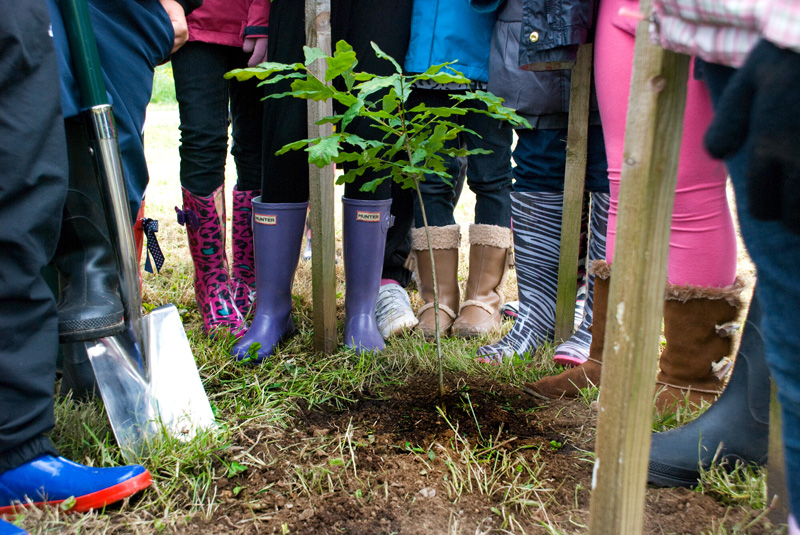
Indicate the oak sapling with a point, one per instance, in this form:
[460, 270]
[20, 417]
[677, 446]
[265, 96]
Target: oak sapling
[410, 143]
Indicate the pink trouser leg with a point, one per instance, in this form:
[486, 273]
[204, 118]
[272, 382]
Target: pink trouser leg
[702, 247]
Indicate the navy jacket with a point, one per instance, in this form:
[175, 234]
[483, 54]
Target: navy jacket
[133, 36]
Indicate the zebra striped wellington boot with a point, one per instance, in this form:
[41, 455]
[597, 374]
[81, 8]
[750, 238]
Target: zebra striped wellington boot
[575, 350]
[569, 383]
[537, 239]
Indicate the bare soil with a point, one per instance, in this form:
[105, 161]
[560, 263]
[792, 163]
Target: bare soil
[389, 464]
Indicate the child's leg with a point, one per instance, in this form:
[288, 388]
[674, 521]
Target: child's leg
[702, 241]
[489, 177]
[536, 209]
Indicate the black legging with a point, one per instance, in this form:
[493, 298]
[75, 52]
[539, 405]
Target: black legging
[387, 22]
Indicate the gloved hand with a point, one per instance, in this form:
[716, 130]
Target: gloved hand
[258, 47]
[759, 112]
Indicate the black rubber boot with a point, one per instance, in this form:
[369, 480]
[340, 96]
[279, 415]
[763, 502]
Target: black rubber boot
[89, 304]
[737, 424]
[77, 374]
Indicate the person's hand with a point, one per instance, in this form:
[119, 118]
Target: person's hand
[178, 18]
[759, 112]
[258, 47]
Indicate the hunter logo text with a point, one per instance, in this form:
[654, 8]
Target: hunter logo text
[266, 219]
[369, 217]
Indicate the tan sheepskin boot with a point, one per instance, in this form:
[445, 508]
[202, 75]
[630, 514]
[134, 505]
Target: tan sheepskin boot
[445, 241]
[698, 325]
[489, 257]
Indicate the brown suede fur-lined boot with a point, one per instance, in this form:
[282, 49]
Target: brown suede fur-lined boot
[569, 383]
[489, 257]
[698, 324]
[445, 241]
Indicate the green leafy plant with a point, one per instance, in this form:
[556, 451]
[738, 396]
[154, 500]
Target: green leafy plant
[412, 143]
[236, 468]
[414, 449]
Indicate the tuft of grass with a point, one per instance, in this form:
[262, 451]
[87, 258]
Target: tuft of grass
[741, 484]
[589, 394]
[495, 472]
[83, 433]
[743, 527]
[677, 415]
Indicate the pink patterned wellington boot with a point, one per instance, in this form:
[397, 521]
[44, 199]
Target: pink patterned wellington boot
[243, 274]
[204, 218]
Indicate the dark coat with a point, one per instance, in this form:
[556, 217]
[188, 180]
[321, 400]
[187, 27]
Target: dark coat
[533, 77]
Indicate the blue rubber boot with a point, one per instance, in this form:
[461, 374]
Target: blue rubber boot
[364, 227]
[7, 528]
[49, 480]
[734, 428]
[277, 237]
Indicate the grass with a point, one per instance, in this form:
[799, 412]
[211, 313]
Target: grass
[741, 484]
[255, 403]
[163, 86]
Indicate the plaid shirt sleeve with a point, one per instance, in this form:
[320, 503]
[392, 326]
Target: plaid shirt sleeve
[781, 25]
[714, 30]
[724, 31]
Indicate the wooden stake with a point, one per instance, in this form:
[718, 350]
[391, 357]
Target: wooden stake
[649, 174]
[574, 180]
[776, 469]
[321, 196]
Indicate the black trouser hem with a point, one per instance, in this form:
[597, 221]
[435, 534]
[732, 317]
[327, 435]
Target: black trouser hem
[26, 452]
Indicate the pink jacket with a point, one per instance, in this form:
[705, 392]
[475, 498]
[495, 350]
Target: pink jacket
[724, 31]
[228, 22]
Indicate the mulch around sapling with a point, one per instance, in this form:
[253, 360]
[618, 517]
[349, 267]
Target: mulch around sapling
[492, 460]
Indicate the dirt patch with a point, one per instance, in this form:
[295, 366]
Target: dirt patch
[490, 460]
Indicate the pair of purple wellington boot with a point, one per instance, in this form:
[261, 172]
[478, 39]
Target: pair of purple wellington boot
[277, 237]
[50, 480]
